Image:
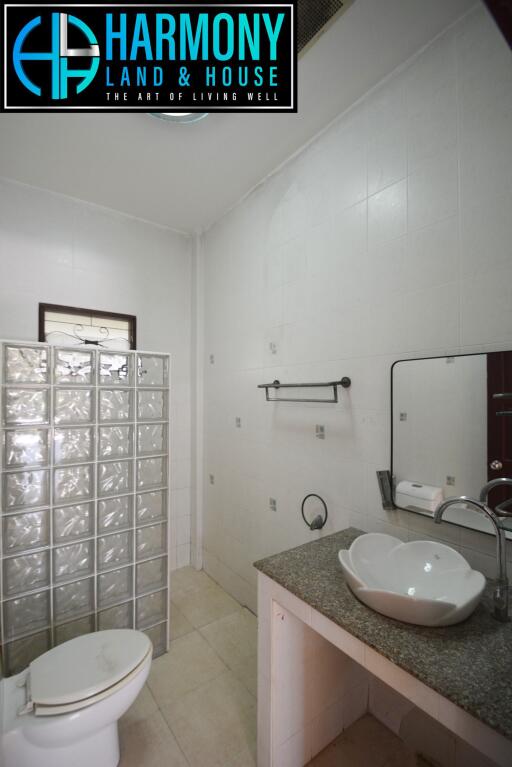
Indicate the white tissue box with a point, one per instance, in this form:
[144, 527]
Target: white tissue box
[417, 496]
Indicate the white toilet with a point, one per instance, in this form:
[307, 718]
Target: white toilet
[63, 710]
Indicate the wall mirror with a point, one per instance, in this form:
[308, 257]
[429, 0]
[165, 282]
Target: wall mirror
[451, 427]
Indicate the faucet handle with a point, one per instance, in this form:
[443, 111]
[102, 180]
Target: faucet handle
[503, 509]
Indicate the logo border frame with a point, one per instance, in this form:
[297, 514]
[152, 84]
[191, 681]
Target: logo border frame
[289, 109]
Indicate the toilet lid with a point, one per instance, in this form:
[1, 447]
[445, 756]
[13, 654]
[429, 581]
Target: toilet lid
[86, 666]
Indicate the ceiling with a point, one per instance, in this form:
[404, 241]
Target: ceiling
[187, 176]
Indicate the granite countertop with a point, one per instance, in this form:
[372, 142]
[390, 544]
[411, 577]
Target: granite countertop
[470, 663]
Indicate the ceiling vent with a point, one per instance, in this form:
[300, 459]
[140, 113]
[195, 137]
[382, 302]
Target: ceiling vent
[313, 16]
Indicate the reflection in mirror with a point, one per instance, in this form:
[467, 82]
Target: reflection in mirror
[451, 433]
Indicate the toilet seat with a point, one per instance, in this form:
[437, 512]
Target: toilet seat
[85, 670]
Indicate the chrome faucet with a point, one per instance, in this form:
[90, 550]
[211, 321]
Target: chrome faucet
[502, 509]
[501, 585]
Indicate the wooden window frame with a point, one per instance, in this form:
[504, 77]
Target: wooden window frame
[131, 319]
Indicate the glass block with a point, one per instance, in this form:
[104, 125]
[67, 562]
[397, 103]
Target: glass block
[73, 445]
[115, 442]
[73, 522]
[20, 653]
[116, 369]
[74, 600]
[115, 405]
[25, 406]
[73, 483]
[73, 367]
[151, 472]
[27, 572]
[115, 586]
[26, 364]
[151, 507]
[115, 513]
[73, 406]
[73, 561]
[114, 550]
[26, 531]
[115, 477]
[152, 370]
[151, 609]
[26, 447]
[151, 575]
[151, 541]
[74, 629]
[25, 615]
[22, 489]
[158, 637]
[119, 617]
[151, 438]
[151, 405]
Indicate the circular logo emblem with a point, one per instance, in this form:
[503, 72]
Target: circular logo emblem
[61, 57]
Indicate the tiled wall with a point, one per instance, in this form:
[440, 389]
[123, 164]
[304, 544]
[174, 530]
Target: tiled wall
[57, 250]
[388, 237]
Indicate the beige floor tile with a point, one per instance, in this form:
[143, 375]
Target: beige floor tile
[149, 743]
[234, 637]
[189, 579]
[246, 758]
[189, 663]
[179, 625]
[215, 723]
[366, 743]
[144, 707]
[205, 605]
[247, 673]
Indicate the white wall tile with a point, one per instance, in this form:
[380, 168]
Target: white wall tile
[387, 135]
[486, 307]
[432, 317]
[58, 250]
[433, 255]
[387, 214]
[433, 190]
[182, 555]
[183, 530]
[431, 96]
[486, 232]
[388, 237]
[485, 117]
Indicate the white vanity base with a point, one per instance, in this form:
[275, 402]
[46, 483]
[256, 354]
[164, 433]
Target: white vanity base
[309, 691]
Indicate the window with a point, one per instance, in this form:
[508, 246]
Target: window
[69, 326]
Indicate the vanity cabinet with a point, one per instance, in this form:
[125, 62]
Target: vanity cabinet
[323, 656]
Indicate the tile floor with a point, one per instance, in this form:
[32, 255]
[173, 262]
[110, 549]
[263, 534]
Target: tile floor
[367, 743]
[198, 708]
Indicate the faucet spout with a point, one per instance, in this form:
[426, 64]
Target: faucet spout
[501, 586]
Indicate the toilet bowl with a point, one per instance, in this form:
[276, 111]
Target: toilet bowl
[63, 710]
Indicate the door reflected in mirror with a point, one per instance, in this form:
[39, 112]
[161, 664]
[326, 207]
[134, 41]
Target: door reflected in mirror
[451, 425]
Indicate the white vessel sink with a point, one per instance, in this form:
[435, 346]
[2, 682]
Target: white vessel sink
[421, 582]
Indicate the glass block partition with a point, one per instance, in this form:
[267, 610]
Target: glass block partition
[84, 496]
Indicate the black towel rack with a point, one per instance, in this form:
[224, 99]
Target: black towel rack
[345, 382]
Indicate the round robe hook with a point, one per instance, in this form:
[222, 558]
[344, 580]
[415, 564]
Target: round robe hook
[319, 521]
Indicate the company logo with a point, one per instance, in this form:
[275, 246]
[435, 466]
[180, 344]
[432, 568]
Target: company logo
[60, 56]
[198, 56]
